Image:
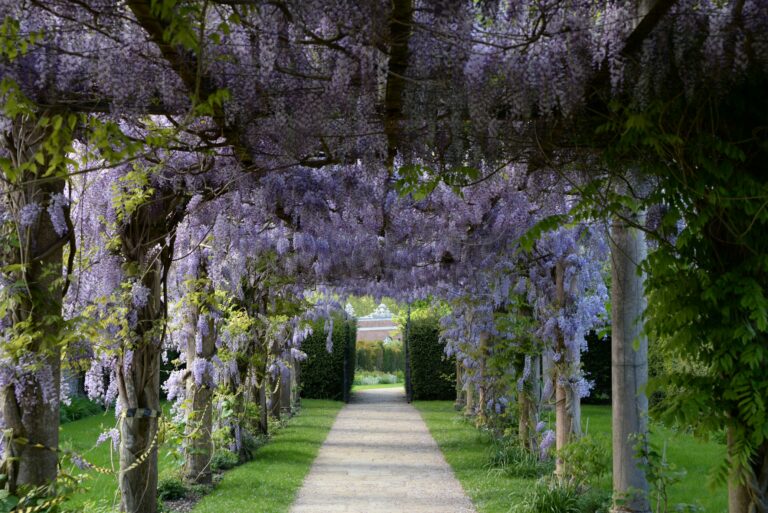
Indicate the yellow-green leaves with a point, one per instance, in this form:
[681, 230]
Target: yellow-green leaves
[12, 43]
[131, 191]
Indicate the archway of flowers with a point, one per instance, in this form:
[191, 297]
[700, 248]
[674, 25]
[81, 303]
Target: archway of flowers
[185, 175]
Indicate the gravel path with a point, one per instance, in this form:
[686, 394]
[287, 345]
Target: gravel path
[380, 458]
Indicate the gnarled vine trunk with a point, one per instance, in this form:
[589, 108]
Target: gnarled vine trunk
[528, 404]
[139, 396]
[29, 406]
[147, 245]
[199, 446]
[482, 391]
[748, 489]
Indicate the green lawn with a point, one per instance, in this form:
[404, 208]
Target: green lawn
[267, 484]
[466, 450]
[380, 385]
[101, 489]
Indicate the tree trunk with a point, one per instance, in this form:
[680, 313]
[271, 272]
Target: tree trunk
[528, 403]
[407, 345]
[199, 446]
[138, 378]
[36, 420]
[263, 409]
[563, 417]
[482, 389]
[285, 392]
[296, 384]
[275, 385]
[138, 485]
[629, 368]
[460, 400]
[470, 408]
[35, 417]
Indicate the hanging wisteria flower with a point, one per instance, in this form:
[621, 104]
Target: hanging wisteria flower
[29, 214]
[547, 439]
[174, 386]
[298, 355]
[111, 434]
[202, 372]
[57, 214]
[582, 387]
[79, 462]
[139, 294]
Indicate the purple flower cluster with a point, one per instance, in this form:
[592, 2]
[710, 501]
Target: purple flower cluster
[29, 214]
[111, 434]
[547, 440]
[56, 211]
[139, 294]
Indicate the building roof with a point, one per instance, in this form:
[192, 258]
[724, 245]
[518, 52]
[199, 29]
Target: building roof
[381, 313]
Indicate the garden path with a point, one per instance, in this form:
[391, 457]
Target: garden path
[380, 458]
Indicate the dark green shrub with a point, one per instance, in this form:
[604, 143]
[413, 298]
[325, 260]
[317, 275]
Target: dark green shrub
[433, 374]
[78, 408]
[322, 373]
[224, 459]
[596, 362]
[171, 489]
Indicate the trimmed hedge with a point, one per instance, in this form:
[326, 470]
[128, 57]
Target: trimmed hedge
[596, 362]
[433, 374]
[322, 373]
[377, 356]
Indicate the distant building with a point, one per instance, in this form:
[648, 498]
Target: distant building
[378, 325]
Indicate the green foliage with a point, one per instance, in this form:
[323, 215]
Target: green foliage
[586, 460]
[507, 456]
[378, 356]
[224, 459]
[707, 277]
[78, 408]
[661, 475]
[377, 378]
[550, 496]
[171, 489]
[419, 180]
[45, 498]
[12, 43]
[433, 374]
[322, 373]
[364, 305]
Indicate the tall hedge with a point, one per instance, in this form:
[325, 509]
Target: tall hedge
[433, 375]
[596, 362]
[378, 356]
[322, 373]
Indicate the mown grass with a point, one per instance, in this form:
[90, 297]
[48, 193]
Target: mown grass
[267, 484]
[100, 489]
[380, 385]
[467, 449]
